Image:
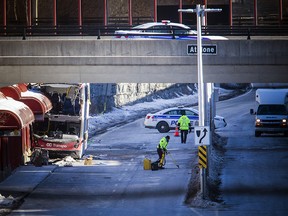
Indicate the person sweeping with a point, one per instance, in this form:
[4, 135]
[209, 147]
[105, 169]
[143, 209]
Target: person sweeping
[162, 150]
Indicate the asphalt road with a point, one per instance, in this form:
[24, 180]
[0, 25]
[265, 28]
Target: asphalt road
[116, 183]
[254, 175]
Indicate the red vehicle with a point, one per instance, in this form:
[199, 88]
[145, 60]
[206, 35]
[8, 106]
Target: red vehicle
[64, 130]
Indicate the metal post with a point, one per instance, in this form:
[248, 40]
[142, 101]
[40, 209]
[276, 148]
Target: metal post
[180, 14]
[80, 17]
[29, 17]
[105, 13]
[80, 13]
[201, 86]
[209, 92]
[4, 13]
[203, 7]
[130, 12]
[155, 11]
[29, 13]
[280, 11]
[36, 13]
[54, 13]
[200, 13]
[255, 13]
[230, 13]
[200, 67]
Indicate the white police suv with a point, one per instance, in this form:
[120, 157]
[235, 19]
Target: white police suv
[166, 120]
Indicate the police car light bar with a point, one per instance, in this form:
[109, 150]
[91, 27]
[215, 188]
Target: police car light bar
[165, 22]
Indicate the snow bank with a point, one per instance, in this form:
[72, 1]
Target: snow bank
[99, 123]
[5, 202]
[125, 114]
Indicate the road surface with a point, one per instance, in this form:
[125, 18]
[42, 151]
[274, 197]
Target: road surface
[254, 175]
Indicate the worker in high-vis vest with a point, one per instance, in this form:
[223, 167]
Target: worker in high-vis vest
[184, 126]
[162, 148]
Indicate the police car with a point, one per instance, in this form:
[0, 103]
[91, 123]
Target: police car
[166, 120]
[164, 30]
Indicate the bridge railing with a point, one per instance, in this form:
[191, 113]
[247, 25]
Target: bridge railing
[99, 31]
[247, 30]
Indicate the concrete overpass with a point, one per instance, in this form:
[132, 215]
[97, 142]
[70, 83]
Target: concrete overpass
[140, 61]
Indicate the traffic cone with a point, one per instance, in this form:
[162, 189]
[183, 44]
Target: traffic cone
[176, 134]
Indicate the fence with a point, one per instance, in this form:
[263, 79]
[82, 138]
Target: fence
[100, 30]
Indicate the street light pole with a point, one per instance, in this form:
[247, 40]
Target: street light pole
[200, 13]
[201, 96]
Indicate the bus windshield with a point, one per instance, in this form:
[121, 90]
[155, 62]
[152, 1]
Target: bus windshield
[64, 130]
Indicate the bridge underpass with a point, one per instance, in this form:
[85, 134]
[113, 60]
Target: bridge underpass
[141, 61]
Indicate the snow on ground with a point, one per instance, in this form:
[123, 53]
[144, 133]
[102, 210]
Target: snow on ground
[6, 201]
[117, 116]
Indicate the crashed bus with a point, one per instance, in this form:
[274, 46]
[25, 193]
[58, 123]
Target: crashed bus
[64, 130]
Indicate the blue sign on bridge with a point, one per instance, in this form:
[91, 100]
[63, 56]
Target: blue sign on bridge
[210, 49]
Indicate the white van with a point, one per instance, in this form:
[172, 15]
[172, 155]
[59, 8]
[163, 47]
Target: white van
[272, 111]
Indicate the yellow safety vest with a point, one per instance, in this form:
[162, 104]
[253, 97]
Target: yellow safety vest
[184, 122]
[163, 143]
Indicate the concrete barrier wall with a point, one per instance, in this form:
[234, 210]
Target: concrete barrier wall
[141, 61]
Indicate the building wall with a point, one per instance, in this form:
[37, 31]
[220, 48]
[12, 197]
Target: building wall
[93, 10]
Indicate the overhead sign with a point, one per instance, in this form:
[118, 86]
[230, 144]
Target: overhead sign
[207, 49]
[202, 135]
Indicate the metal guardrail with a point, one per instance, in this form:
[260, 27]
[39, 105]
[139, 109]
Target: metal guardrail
[99, 31]
[247, 30]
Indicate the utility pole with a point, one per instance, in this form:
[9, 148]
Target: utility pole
[202, 90]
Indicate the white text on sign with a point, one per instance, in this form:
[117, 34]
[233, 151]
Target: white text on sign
[206, 49]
